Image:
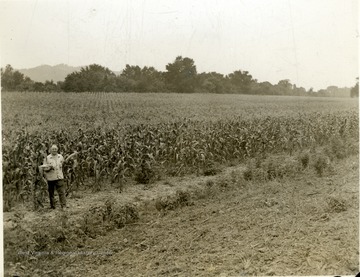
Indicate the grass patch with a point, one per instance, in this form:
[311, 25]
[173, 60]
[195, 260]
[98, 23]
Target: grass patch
[172, 202]
[336, 205]
[211, 169]
[304, 159]
[271, 168]
[102, 218]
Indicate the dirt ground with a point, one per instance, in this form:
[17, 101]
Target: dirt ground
[307, 225]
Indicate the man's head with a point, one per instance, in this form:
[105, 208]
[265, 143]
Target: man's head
[54, 149]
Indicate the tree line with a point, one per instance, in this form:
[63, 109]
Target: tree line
[181, 76]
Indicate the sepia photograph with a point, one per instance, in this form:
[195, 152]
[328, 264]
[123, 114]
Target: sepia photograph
[179, 138]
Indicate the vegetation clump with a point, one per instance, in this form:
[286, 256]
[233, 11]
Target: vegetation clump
[172, 202]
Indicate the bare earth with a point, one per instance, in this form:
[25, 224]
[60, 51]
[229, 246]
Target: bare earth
[306, 225]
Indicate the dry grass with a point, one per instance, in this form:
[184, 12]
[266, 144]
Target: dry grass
[174, 201]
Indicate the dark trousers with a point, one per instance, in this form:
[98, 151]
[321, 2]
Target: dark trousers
[60, 188]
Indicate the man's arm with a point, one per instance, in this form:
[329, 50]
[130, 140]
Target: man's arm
[41, 171]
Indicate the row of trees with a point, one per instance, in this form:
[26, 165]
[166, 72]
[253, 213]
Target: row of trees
[355, 90]
[180, 76]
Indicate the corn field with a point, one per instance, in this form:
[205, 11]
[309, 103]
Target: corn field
[117, 151]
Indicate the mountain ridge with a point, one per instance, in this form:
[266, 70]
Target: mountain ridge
[47, 72]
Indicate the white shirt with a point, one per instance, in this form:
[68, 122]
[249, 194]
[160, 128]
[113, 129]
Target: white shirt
[56, 161]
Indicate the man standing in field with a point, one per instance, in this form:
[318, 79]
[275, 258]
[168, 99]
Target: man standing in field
[53, 175]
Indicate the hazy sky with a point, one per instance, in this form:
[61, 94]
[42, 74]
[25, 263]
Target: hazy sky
[314, 43]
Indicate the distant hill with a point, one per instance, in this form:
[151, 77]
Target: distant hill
[46, 72]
